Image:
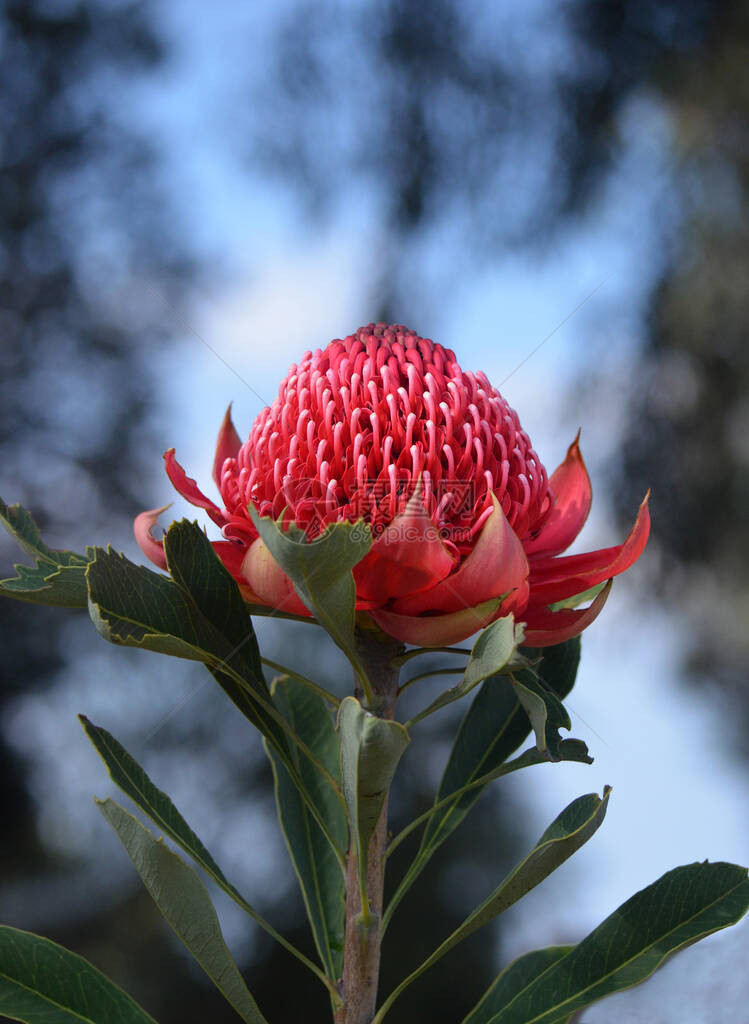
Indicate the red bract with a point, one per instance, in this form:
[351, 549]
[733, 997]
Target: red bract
[385, 426]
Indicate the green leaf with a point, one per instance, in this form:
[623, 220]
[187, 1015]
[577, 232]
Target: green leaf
[197, 569]
[199, 572]
[58, 578]
[264, 611]
[321, 573]
[63, 586]
[318, 870]
[557, 666]
[540, 688]
[577, 599]
[545, 711]
[371, 748]
[43, 983]
[136, 607]
[512, 980]
[284, 670]
[683, 906]
[566, 834]
[20, 524]
[491, 654]
[131, 605]
[493, 727]
[126, 773]
[527, 759]
[183, 900]
[492, 651]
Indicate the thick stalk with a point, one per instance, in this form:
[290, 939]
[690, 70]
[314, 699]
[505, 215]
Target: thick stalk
[361, 956]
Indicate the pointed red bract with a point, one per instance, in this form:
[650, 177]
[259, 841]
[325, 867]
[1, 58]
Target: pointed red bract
[437, 630]
[545, 628]
[554, 579]
[227, 446]
[189, 489]
[142, 526]
[496, 566]
[570, 486]
[407, 557]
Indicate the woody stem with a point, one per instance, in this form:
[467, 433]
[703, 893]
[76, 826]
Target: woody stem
[361, 957]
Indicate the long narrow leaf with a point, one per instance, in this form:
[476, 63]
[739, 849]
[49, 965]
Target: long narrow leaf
[566, 834]
[133, 606]
[683, 906]
[493, 727]
[513, 980]
[545, 712]
[533, 756]
[318, 870]
[183, 900]
[371, 748]
[126, 773]
[195, 567]
[43, 983]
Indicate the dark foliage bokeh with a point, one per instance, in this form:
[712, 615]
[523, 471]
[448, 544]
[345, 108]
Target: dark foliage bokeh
[690, 418]
[83, 222]
[439, 110]
[70, 395]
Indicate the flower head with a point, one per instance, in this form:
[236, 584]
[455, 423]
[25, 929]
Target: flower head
[385, 426]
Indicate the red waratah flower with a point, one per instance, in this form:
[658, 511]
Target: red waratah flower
[467, 526]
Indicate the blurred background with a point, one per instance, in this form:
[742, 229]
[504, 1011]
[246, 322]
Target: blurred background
[190, 197]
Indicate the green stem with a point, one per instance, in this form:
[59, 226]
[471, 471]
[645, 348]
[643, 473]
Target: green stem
[400, 661]
[365, 882]
[364, 687]
[521, 761]
[426, 675]
[526, 759]
[248, 909]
